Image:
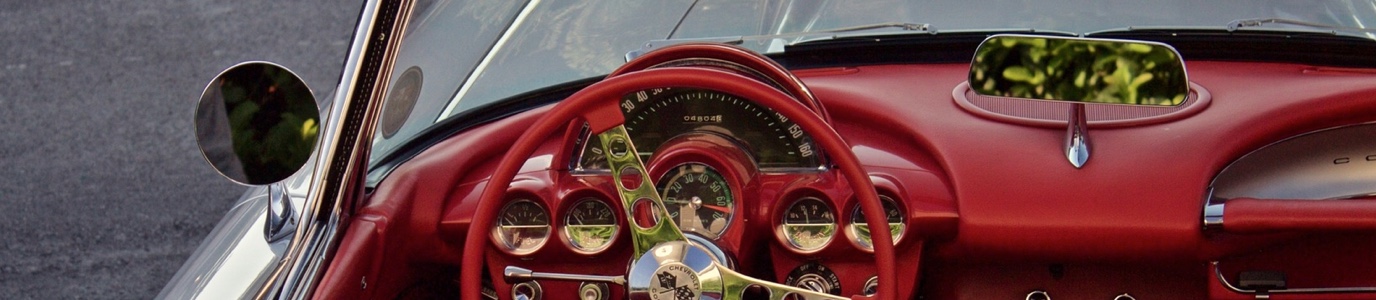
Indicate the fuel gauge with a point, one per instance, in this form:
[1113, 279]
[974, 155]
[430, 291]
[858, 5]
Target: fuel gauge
[809, 224]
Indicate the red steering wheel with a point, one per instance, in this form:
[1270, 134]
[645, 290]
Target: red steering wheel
[660, 248]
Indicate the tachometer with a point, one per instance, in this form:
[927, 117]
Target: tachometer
[522, 226]
[590, 225]
[698, 199]
[656, 116]
[860, 232]
[809, 224]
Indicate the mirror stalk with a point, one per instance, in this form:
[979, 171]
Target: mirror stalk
[281, 216]
[1077, 136]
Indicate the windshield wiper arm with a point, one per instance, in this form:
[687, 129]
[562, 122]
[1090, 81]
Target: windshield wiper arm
[905, 26]
[1258, 22]
[919, 27]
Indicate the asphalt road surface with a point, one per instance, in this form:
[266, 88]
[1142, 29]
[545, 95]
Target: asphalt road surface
[103, 194]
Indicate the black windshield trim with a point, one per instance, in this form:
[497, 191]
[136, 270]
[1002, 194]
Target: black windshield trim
[486, 113]
[1319, 49]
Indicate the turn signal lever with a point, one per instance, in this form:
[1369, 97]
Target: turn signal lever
[519, 273]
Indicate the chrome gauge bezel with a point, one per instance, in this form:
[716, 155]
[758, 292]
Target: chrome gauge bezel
[783, 229]
[501, 241]
[886, 202]
[567, 225]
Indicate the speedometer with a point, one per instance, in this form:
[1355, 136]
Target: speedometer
[656, 116]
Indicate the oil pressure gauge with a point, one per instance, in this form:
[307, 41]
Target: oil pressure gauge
[808, 224]
[522, 227]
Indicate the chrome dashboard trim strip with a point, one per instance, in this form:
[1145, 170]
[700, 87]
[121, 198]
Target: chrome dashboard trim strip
[1219, 273]
[1345, 146]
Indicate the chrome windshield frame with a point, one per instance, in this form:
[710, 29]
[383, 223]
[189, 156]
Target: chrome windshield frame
[338, 176]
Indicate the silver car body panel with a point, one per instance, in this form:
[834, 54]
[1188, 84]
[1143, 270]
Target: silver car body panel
[236, 260]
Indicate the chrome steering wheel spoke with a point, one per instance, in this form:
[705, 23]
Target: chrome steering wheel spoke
[627, 167]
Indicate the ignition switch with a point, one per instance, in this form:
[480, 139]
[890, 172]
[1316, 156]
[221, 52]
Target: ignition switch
[815, 277]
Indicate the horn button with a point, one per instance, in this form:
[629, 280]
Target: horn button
[675, 269]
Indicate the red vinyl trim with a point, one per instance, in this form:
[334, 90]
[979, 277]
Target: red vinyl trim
[1271, 215]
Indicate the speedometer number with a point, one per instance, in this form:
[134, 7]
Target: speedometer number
[805, 150]
[796, 131]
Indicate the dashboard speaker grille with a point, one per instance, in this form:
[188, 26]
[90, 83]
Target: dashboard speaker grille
[1055, 113]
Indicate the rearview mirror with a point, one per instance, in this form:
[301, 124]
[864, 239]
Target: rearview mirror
[257, 123]
[1079, 70]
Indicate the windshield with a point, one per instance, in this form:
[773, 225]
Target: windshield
[460, 55]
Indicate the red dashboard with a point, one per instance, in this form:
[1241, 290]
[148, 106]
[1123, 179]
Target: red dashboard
[990, 207]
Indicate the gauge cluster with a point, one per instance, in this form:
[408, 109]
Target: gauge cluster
[729, 173]
[702, 190]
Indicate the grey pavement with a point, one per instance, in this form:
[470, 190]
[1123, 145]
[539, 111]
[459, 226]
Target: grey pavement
[103, 194]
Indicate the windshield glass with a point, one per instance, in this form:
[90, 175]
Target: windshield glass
[460, 55]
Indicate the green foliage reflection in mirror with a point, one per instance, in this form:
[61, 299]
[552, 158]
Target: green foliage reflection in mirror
[257, 123]
[1080, 70]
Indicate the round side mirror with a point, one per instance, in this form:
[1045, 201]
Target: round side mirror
[257, 123]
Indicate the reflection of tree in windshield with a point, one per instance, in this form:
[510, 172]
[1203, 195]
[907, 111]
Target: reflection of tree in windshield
[1079, 70]
[273, 119]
